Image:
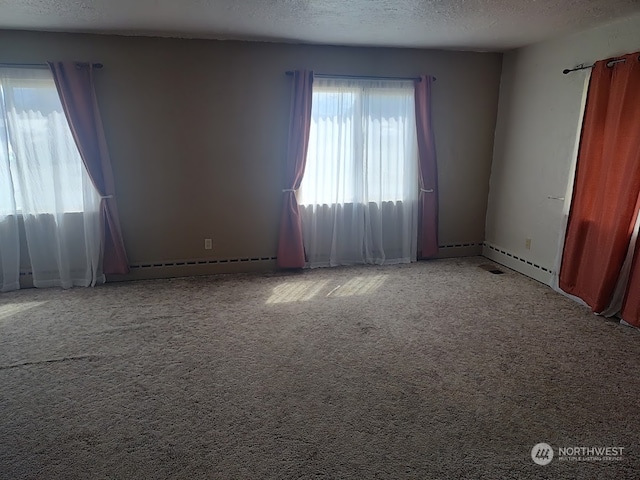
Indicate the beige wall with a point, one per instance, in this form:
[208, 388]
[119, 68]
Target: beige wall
[197, 132]
[536, 133]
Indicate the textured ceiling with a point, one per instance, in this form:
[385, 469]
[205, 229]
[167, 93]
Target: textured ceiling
[455, 24]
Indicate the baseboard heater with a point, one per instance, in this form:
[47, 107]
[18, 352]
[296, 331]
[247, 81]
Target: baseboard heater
[225, 261]
[515, 257]
[185, 263]
[460, 245]
[518, 263]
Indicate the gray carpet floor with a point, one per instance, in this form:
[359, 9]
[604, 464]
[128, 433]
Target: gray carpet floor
[435, 370]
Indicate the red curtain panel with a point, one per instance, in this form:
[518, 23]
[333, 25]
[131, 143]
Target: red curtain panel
[607, 183]
[290, 246]
[428, 171]
[74, 82]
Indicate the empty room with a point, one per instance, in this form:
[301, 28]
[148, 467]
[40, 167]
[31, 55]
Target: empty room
[319, 239]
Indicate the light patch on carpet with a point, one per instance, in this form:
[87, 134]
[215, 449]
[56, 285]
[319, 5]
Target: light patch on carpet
[360, 286]
[300, 291]
[10, 309]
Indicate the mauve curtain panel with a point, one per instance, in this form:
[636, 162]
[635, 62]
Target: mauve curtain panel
[75, 85]
[606, 186]
[290, 244]
[428, 171]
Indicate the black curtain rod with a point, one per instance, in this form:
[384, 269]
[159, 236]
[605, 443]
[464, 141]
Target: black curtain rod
[39, 65]
[360, 77]
[584, 67]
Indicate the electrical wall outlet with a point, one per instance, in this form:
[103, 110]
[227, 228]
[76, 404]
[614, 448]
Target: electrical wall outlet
[527, 244]
[208, 244]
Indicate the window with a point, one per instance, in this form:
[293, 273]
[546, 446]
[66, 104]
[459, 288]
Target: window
[40, 167]
[362, 143]
[359, 193]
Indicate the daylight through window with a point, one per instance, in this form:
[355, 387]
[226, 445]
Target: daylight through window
[40, 167]
[362, 143]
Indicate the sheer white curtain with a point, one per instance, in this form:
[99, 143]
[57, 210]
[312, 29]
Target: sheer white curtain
[44, 182]
[9, 239]
[359, 195]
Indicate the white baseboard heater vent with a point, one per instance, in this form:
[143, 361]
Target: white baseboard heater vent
[515, 257]
[185, 263]
[459, 245]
